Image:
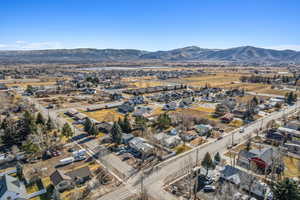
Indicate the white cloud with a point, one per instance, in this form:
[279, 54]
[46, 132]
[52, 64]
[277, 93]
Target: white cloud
[2, 46]
[285, 47]
[24, 45]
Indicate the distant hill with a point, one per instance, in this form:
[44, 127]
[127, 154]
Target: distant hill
[241, 55]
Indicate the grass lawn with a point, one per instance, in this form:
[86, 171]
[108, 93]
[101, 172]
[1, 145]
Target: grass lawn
[292, 167]
[32, 188]
[107, 115]
[100, 135]
[181, 148]
[145, 84]
[236, 123]
[204, 109]
[212, 80]
[67, 195]
[46, 182]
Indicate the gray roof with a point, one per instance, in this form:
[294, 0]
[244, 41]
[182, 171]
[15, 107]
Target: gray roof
[82, 172]
[12, 184]
[246, 154]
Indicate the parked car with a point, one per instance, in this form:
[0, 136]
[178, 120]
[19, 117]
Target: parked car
[220, 138]
[208, 181]
[209, 188]
[55, 153]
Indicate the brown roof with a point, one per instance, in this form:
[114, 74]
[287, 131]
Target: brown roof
[58, 176]
[82, 172]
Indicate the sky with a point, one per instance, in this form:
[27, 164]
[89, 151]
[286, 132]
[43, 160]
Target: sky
[149, 24]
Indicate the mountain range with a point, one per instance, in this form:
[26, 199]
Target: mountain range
[239, 55]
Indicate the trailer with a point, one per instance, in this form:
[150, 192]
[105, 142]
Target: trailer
[78, 153]
[66, 161]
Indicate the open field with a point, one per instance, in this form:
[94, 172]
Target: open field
[145, 84]
[24, 85]
[134, 79]
[107, 115]
[212, 80]
[292, 167]
[181, 148]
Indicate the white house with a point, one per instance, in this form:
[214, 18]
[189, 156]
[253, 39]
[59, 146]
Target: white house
[11, 188]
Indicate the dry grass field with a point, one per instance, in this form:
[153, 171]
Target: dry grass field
[212, 80]
[24, 85]
[292, 167]
[145, 83]
[107, 115]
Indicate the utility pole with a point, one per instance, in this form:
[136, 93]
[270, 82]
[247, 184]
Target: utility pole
[142, 185]
[197, 157]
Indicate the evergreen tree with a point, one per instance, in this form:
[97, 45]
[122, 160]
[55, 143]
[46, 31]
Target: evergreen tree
[50, 125]
[163, 121]
[248, 144]
[29, 89]
[217, 158]
[56, 194]
[290, 98]
[40, 119]
[29, 123]
[93, 130]
[221, 110]
[254, 101]
[207, 162]
[87, 125]
[67, 131]
[11, 135]
[286, 189]
[19, 172]
[116, 133]
[120, 122]
[125, 125]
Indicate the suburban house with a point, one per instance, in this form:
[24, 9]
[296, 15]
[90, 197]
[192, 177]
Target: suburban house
[295, 124]
[170, 106]
[79, 117]
[189, 135]
[230, 103]
[203, 129]
[275, 137]
[186, 102]
[239, 112]
[288, 131]
[262, 158]
[116, 96]
[140, 145]
[142, 111]
[137, 100]
[64, 181]
[11, 188]
[227, 118]
[126, 107]
[104, 127]
[245, 181]
[71, 112]
[3, 86]
[90, 91]
[169, 141]
[293, 148]
[126, 138]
